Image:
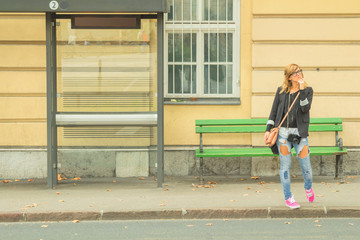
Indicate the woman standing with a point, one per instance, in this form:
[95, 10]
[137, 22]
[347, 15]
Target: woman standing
[294, 130]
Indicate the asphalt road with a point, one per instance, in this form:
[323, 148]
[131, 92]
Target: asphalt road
[185, 229]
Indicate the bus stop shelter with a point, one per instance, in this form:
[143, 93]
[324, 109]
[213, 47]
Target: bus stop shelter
[91, 84]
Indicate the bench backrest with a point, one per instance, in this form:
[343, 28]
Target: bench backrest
[259, 125]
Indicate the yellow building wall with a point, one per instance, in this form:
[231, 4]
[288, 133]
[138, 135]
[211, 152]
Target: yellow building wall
[22, 80]
[321, 36]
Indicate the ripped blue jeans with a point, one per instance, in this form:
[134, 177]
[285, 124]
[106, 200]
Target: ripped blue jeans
[285, 164]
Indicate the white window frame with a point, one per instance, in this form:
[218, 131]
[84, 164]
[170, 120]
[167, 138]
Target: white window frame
[201, 28]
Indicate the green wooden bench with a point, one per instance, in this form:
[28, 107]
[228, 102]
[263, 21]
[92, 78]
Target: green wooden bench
[259, 126]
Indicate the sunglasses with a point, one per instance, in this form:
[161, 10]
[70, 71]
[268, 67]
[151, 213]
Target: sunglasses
[296, 73]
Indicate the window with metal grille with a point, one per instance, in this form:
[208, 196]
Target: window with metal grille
[202, 49]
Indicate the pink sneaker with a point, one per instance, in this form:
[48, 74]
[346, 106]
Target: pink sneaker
[290, 202]
[310, 195]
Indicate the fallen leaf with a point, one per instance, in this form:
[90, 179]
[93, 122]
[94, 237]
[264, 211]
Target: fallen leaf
[141, 178]
[209, 224]
[255, 177]
[287, 222]
[17, 180]
[316, 221]
[242, 179]
[108, 190]
[233, 200]
[351, 176]
[60, 178]
[211, 182]
[189, 225]
[245, 195]
[249, 188]
[162, 205]
[76, 178]
[61, 200]
[205, 186]
[6, 181]
[166, 189]
[258, 191]
[30, 180]
[293, 176]
[44, 226]
[75, 221]
[318, 225]
[58, 193]
[114, 181]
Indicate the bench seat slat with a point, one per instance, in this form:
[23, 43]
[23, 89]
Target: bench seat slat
[258, 121]
[261, 129]
[264, 152]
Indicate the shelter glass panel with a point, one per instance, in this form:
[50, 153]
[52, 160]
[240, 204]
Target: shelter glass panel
[107, 70]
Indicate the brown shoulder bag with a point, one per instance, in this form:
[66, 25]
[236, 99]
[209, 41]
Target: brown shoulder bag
[274, 132]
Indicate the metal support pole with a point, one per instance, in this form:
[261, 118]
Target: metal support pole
[201, 171]
[51, 99]
[160, 98]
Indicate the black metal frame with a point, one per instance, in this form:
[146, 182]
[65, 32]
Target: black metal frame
[89, 6]
[51, 67]
[51, 90]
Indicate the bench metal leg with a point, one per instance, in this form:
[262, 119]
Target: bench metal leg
[339, 168]
[201, 171]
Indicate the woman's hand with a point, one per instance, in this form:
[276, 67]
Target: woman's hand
[301, 84]
[266, 136]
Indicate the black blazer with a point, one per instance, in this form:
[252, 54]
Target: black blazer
[302, 114]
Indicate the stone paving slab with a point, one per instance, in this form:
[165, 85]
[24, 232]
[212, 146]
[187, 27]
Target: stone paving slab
[180, 198]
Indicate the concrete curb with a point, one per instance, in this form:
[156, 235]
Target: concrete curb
[219, 213]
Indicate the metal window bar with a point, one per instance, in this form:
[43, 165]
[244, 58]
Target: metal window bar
[209, 90]
[182, 46]
[191, 53]
[173, 46]
[226, 47]
[217, 49]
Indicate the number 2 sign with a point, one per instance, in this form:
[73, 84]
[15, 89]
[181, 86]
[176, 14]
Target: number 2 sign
[54, 5]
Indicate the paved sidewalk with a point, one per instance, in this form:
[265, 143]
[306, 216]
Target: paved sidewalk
[181, 197]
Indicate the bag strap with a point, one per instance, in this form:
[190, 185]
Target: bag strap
[289, 110]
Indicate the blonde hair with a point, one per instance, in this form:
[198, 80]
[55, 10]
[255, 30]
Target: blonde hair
[287, 84]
